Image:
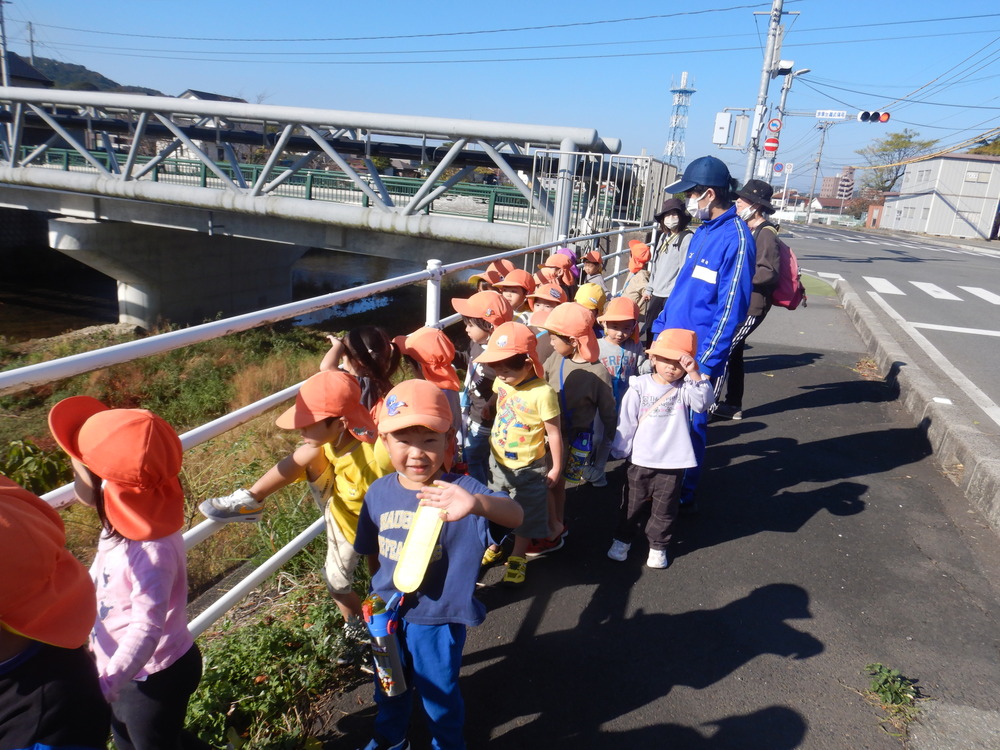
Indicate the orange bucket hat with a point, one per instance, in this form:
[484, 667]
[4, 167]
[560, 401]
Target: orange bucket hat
[136, 453]
[573, 319]
[593, 256]
[518, 277]
[435, 353]
[45, 593]
[415, 403]
[563, 265]
[490, 306]
[550, 293]
[620, 308]
[592, 297]
[639, 255]
[508, 340]
[674, 343]
[332, 393]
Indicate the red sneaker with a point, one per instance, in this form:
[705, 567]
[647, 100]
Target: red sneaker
[542, 546]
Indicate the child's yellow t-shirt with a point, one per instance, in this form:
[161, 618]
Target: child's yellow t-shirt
[518, 435]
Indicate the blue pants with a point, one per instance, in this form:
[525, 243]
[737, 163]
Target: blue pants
[433, 657]
[699, 439]
[476, 451]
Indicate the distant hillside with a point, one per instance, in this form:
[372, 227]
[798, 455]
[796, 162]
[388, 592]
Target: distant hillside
[70, 76]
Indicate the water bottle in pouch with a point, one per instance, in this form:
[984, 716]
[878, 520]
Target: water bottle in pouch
[579, 456]
[382, 620]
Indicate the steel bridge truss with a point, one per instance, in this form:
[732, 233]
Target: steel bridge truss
[139, 134]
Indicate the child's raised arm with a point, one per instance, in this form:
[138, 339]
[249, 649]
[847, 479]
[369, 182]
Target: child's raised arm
[331, 360]
[456, 503]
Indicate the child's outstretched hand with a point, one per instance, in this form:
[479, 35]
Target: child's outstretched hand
[454, 502]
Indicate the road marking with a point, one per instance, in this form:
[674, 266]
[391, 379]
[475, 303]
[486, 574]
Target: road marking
[983, 401]
[883, 286]
[868, 242]
[982, 294]
[934, 290]
[955, 329]
[833, 276]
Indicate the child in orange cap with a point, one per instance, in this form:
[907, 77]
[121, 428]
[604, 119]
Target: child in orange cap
[559, 269]
[593, 269]
[653, 430]
[49, 689]
[584, 389]
[622, 355]
[638, 275]
[515, 287]
[415, 425]
[543, 301]
[431, 354]
[147, 661]
[481, 313]
[338, 462]
[527, 415]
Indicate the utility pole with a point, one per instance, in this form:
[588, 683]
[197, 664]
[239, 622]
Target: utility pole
[771, 53]
[785, 88]
[4, 73]
[31, 43]
[823, 126]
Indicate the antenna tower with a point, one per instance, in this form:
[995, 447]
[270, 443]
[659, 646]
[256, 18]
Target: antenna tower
[673, 152]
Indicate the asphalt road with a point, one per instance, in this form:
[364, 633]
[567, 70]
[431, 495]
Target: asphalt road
[942, 300]
[828, 538]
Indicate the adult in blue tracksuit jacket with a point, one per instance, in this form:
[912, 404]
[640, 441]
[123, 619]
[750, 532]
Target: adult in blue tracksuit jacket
[712, 292]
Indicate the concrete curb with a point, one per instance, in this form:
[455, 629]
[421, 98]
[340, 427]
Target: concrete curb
[953, 442]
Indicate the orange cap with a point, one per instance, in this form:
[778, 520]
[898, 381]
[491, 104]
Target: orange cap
[136, 453]
[412, 403]
[45, 593]
[563, 265]
[674, 343]
[518, 277]
[332, 393]
[508, 340]
[594, 256]
[639, 255]
[573, 319]
[591, 296]
[549, 292]
[620, 308]
[490, 306]
[435, 352]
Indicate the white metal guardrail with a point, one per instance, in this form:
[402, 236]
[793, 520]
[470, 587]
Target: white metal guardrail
[13, 381]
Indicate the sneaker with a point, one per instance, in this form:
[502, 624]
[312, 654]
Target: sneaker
[657, 559]
[240, 506]
[725, 411]
[492, 557]
[543, 546]
[619, 550]
[516, 569]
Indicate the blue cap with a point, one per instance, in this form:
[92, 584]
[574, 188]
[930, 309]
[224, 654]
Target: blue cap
[705, 170]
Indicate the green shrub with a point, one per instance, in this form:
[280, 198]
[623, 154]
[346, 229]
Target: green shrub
[33, 468]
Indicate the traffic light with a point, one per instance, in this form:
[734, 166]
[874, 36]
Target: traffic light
[873, 117]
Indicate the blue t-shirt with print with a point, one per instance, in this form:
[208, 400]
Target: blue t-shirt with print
[445, 595]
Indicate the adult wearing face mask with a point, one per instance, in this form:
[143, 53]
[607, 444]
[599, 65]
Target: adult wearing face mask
[712, 292]
[753, 204]
[666, 263]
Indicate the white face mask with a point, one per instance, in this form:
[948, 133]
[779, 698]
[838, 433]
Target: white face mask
[702, 214]
[671, 222]
[747, 213]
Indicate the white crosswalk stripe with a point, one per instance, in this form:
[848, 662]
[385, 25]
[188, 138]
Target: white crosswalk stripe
[935, 291]
[883, 286]
[982, 294]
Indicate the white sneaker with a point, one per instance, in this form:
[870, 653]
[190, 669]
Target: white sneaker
[657, 559]
[619, 550]
[239, 506]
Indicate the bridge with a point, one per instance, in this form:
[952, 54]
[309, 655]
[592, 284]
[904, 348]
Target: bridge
[201, 207]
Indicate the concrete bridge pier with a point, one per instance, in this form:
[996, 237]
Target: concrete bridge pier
[181, 276]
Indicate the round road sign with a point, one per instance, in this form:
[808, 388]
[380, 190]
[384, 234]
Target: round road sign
[778, 167]
[774, 125]
[771, 145]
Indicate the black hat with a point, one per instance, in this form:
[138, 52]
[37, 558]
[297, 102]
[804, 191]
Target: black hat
[671, 204]
[759, 193]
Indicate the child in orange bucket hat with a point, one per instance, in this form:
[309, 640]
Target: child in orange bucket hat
[49, 689]
[431, 353]
[125, 464]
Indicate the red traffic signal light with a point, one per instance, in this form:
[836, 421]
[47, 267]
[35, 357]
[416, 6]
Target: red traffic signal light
[873, 117]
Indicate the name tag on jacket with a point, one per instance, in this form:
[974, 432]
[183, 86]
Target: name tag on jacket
[705, 274]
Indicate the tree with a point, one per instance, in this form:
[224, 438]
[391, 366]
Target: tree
[885, 155]
[990, 149]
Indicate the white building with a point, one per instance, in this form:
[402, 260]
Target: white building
[956, 195]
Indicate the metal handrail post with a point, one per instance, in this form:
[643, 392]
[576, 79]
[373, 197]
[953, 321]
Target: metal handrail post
[618, 266]
[432, 315]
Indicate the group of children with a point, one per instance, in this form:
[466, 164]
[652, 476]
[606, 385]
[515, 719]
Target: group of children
[546, 379]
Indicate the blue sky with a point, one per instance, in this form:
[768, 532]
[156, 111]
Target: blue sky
[603, 65]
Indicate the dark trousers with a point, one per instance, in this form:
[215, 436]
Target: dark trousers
[149, 715]
[651, 496]
[653, 310]
[732, 375]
